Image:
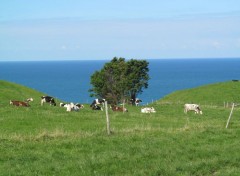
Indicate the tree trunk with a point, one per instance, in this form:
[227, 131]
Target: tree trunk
[133, 98]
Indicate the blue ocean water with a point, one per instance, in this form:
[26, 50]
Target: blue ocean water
[70, 80]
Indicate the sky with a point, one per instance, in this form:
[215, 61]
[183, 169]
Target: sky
[103, 29]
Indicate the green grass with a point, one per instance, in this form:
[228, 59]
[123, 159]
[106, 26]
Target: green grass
[50, 141]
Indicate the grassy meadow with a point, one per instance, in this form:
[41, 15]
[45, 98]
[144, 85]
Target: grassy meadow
[45, 140]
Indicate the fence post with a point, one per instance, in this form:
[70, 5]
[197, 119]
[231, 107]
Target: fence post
[123, 105]
[230, 115]
[107, 119]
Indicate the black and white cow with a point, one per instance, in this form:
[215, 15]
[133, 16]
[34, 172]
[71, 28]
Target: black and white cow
[62, 104]
[98, 101]
[81, 106]
[72, 106]
[48, 99]
[192, 107]
[136, 101]
[96, 107]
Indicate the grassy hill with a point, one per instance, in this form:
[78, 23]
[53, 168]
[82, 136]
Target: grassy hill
[11, 91]
[44, 140]
[216, 94]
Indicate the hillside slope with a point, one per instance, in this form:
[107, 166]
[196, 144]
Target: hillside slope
[12, 91]
[217, 94]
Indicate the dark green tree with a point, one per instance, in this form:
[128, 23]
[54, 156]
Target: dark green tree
[119, 79]
[137, 72]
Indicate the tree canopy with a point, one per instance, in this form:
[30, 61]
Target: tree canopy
[120, 79]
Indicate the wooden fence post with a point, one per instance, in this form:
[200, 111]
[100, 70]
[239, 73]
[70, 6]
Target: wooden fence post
[123, 106]
[230, 115]
[107, 119]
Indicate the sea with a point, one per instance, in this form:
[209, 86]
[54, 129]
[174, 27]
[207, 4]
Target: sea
[69, 81]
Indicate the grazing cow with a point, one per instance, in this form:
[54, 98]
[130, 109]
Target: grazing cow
[96, 107]
[192, 107]
[98, 101]
[148, 110]
[136, 102]
[21, 103]
[48, 99]
[117, 108]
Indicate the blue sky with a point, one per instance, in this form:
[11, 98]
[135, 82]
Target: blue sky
[103, 29]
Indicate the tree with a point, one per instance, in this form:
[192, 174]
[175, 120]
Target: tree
[137, 72]
[119, 79]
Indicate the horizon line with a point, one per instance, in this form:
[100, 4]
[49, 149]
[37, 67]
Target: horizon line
[182, 58]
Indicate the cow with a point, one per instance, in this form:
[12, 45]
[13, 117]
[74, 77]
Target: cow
[62, 104]
[48, 99]
[148, 110]
[72, 106]
[67, 106]
[29, 100]
[98, 101]
[21, 103]
[135, 101]
[81, 106]
[117, 108]
[192, 107]
[96, 107]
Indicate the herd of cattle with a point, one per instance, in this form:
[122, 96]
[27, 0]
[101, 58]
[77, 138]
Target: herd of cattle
[98, 104]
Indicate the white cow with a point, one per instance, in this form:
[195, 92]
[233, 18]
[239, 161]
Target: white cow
[148, 110]
[192, 107]
[70, 107]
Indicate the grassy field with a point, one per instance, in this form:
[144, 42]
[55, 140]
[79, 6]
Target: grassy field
[50, 141]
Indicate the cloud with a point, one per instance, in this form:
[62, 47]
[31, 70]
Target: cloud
[238, 43]
[63, 47]
[217, 44]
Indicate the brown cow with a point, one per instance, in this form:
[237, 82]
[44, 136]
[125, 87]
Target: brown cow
[117, 108]
[21, 103]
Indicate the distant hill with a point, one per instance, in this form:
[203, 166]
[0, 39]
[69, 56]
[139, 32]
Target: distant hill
[217, 94]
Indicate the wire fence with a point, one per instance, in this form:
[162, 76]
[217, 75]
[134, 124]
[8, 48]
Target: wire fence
[224, 104]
